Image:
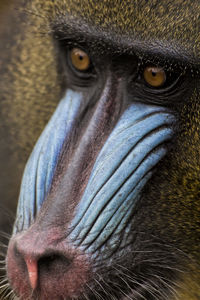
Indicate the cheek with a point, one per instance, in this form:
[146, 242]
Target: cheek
[121, 170]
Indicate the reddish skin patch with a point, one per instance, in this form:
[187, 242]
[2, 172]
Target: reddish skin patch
[33, 273]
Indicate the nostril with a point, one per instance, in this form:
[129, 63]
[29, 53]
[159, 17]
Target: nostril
[51, 263]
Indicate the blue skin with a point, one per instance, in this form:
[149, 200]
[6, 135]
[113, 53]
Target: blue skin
[41, 165]
[122, 169]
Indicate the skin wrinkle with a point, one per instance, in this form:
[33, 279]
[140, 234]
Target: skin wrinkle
[31, 65]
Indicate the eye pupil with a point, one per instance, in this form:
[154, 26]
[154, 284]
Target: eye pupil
[153, 74]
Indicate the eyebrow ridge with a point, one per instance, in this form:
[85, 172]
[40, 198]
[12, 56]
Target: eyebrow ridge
[71, 28]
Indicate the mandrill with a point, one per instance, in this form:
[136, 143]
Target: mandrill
[109, 204]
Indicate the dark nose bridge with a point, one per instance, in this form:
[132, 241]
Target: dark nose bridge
[69, 184]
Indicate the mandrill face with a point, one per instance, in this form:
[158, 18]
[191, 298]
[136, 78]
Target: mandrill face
[109, 200]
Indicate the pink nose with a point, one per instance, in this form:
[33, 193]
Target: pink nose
[40, 266]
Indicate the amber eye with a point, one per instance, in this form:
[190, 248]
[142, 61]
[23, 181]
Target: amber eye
[80, 59]
[154, 76]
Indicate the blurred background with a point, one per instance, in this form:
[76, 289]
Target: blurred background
[7, 208]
